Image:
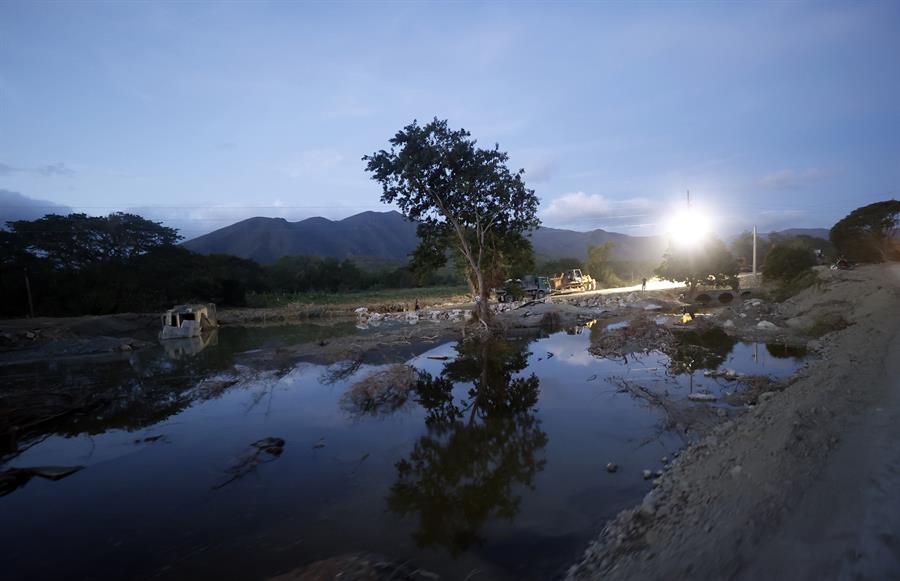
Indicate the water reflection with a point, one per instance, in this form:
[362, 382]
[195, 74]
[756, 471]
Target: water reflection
[699, 349]
[478, 449]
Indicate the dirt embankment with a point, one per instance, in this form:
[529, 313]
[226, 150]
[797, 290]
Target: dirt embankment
[805, 485]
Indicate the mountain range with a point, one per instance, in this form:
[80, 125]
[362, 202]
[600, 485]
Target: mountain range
[388, 236]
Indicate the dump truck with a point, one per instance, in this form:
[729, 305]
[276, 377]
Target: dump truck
[573, 280]
[531, 285]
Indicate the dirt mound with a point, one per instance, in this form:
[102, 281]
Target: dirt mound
[749, 502]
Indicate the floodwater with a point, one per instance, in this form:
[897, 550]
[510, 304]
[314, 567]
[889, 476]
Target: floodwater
[493, 463]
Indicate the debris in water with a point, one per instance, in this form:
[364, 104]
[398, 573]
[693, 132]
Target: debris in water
[15, 478]
[702, 397]
[259, 452]
[612, 467]
[150, 439]
[592, 378]
[438, 357]
[319, 444]
[648, 475]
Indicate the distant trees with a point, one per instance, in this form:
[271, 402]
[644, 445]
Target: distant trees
[709, 263]
[742, 249]
[869, 233]
[599, 264]
[464, 198]
[787, 261]
[76, 240]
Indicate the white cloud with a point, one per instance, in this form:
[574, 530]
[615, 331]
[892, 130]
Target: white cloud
[587, 211]
[311, 162]
[791, 179]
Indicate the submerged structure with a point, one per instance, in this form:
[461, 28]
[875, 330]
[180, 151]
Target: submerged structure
[185, 321]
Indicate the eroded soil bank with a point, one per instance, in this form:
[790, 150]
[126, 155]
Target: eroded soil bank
[803, 487]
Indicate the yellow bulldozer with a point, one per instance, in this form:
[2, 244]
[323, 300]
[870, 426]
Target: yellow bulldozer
[573, 280]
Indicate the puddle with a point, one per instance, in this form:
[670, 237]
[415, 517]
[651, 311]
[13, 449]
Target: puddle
[494, 459]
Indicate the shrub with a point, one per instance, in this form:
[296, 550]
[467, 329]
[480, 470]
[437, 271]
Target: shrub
[786, 262]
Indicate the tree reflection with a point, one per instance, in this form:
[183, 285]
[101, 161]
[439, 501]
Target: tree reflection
[478, 449]
[700, 349]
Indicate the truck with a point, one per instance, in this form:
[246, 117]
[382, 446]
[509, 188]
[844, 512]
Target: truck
[530, 285]
[573, 280]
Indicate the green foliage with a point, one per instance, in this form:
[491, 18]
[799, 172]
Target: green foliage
[554, 267]
[147, 272]
[787, 261]
[785, 289]
[869, 234]
[373, 297]
[710, 264]
[77, 240]
[742, 249]
[463, 197]
[599, 265]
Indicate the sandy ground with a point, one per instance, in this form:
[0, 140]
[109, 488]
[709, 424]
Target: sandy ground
[806, 485]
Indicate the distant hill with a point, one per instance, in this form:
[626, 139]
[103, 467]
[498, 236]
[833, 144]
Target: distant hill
[387, 236]
[814, 232]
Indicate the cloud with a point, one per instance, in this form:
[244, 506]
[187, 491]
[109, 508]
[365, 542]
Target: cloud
[790, 179]
[15, 206]
[54, 169]
[588, 211]
[311, 162]
[47, 170]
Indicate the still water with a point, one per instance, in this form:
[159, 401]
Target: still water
[493, 462]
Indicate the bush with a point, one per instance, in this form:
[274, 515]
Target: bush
[786, 262]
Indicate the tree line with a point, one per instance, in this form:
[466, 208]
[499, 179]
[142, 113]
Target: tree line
[78, 264]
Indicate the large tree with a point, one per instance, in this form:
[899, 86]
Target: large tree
[463, 197]
[708, 263]
[869, 234]
[74, 241]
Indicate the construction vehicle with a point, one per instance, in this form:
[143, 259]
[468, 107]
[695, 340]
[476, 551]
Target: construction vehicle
[530, 285]
[573, 280]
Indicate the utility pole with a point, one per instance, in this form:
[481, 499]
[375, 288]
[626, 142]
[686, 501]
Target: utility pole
[689, 199]
[754, 252]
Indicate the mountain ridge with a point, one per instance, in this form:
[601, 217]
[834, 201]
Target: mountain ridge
[387, 235]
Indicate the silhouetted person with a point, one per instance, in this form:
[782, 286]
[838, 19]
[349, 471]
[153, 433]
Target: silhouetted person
[417, 304]
[643, 284]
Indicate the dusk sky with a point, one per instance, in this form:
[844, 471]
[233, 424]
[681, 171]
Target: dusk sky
[781, 114]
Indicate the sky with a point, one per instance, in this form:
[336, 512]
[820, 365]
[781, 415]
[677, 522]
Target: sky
[778, 114]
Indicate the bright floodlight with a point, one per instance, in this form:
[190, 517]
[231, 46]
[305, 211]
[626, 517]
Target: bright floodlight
[689, 227]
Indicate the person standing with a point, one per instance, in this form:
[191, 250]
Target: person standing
[643, 284]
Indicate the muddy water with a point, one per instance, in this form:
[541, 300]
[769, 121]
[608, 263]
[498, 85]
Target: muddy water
[493, 461]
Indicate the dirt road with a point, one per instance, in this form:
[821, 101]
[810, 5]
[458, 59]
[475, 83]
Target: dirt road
[806, 485]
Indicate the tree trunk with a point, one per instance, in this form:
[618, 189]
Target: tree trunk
[483, 308]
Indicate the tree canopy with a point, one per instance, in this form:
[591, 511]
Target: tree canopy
[869, 233]
[709, 263]
[76, 240]
[463, 197]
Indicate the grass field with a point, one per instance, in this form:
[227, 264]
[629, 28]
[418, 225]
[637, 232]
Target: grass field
[426, 296]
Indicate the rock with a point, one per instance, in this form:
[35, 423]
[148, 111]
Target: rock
[736, 471]
[665, 459]
[361, 311]
[765, 396]
[647, 474]
[611, 467]
[702, 397]
[766, 326]
[728, 324]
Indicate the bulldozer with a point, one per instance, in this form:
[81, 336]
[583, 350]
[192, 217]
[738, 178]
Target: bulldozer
[573, 280]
